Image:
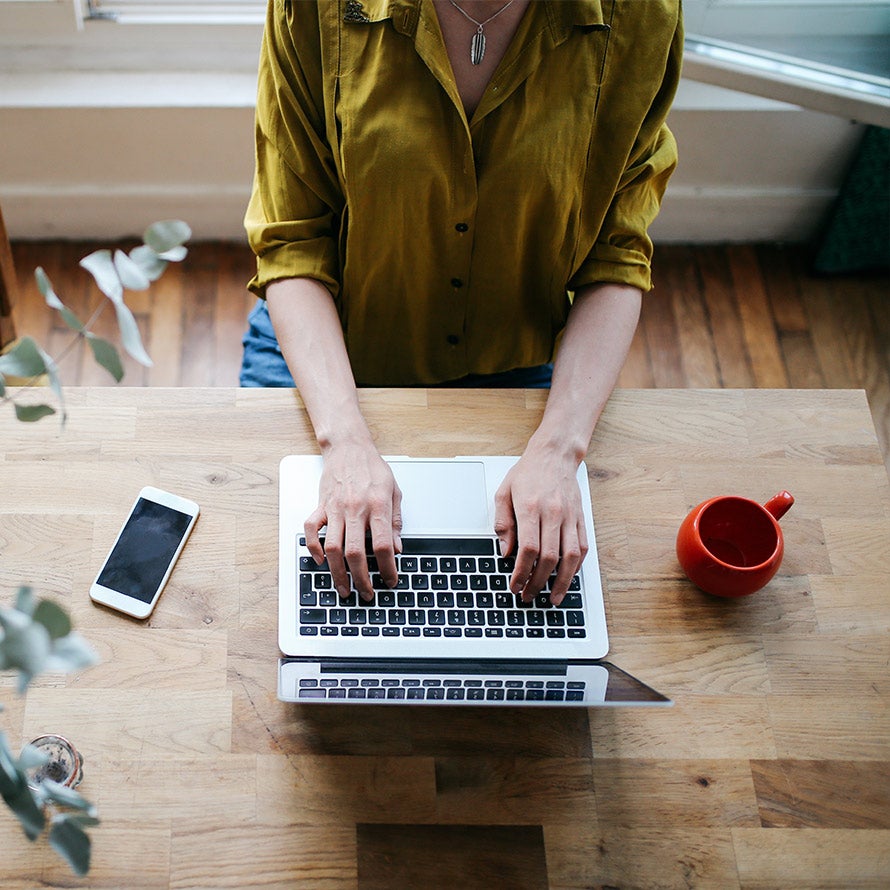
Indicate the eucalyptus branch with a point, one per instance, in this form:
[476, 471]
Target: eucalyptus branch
[163, 243]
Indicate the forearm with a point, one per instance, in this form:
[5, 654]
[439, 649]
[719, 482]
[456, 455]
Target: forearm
[594, 347]
[308, 329]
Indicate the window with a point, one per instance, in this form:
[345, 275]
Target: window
[181, 11]
[831, 55]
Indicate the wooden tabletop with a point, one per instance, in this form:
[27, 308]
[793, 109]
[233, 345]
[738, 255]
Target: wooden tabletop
[772, 770]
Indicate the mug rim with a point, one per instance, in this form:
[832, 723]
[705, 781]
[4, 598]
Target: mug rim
[706, 505]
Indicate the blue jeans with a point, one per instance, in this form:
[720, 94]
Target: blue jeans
[264, 365]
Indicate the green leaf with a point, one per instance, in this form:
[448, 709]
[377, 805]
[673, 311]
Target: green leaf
[27, 649]
[18, 796]
[2, 386]
[31, 413]
[55, 382]
[167, 234]
[130, 274]
[70, 653]
[101, 266]
[45, 287]
[65, 796]
[130, 336]
[175, 254]
[71, 842]
[25, 359]
[54, 618]
[25, 601]
[31, 758]
[107, 356]
[148, 261]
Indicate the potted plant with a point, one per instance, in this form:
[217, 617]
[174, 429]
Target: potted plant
[39, 784]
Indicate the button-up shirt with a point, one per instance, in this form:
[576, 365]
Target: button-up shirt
[453, 245]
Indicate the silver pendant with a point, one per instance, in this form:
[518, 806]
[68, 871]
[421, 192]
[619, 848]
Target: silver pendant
[477, 47]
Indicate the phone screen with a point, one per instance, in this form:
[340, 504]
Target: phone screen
[147, 545]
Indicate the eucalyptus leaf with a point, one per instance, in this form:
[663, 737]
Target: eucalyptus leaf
[25, 359]
[32, 413]
[2, 386]
[148, 261]
[18, 796]
[130, 336]
[130, 274]
[166, 234]
[55, 382]
[70, 653]
[32, 758]
[101, 266]
[106, 355]
[44, 285]
[52, 300]
[65, 796]
[54, 618]
[27, 649]
[175, 254]
[71, 842]
[25, 601]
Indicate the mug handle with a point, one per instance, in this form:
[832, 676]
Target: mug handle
[779, 505]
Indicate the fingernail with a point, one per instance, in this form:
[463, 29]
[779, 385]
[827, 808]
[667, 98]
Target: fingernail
[556, 600]
[367, 597]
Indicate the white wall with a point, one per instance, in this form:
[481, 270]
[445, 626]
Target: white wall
[101, 163]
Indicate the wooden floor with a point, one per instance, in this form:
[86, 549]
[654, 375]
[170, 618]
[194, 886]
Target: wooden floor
[736, 316]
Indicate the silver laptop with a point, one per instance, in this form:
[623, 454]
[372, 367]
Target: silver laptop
[451, 633]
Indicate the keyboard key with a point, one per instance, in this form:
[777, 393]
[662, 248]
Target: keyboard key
[406, 599]
[358, 616]
[357, 693]
[484, 600]
[487, 564]
[380, 692]
[515, 618]
[439, 582]
[408, 564]
[577, 633]
[420, 582]
[476, 617]
[535, 632]
[310, 631]
[398, 693]
[466, 564]
[515, 695]
[327, 598]
[465, 600]
[473, 632]
[425, 600]
[328, 631]
[416, 693]
[313, 693]
[390, 631]
[491, 632]
[447, 564]
[554, 695]
[378, 616]
[574, 695]
[514, 632]
[534, 695]
[396, 616]
[368, 631]
[410, 631]
[416, 616]
[429, 564]
[337, 616]
[432, 631]
[478, 582]
[386, 598]
[475, 695]
[574, 618]
[496, 618]
[555, 618]
[555, 633]
[435, 616]
[348, 631]
[445, 600]
[458, 582]
[435, 694]
[313, 616]
[494, 694]
[451, 631]
[456, 617]
[455, 694]
[534, 618]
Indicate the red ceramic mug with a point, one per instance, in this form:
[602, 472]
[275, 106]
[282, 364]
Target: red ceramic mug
[731, 546]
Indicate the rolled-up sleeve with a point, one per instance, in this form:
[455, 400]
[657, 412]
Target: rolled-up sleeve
[622, 252]
[293, 218]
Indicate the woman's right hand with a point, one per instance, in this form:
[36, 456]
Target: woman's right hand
[357, 494]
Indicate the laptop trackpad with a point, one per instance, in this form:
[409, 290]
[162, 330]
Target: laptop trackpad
[443, 496]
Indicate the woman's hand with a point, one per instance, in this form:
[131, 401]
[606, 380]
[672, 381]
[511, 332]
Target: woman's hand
[357, 494]
[538, 515]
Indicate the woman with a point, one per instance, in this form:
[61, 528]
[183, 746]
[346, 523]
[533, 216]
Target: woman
[443, 189]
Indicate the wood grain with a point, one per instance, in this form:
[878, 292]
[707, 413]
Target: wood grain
[772, 768]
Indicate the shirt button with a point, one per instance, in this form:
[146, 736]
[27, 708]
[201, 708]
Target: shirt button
[456, 282]
[462, 227]
[453, 339]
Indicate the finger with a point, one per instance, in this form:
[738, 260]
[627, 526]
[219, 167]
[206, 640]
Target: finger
[546, 563]
[311, 528]
[504, 520]
[571, 556]
[397, 520]
[527, 550]
[333, 550]
[357, 559]
[383, 543]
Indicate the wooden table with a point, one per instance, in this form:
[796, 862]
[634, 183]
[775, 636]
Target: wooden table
[771, 770]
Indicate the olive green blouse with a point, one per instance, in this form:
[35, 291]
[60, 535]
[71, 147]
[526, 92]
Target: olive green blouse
[452, 246]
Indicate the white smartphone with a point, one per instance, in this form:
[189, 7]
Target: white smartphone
[140, 562]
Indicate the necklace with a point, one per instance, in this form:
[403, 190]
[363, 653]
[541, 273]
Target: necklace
[477, 44]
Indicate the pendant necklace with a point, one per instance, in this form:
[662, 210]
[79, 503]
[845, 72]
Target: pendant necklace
[477, 44]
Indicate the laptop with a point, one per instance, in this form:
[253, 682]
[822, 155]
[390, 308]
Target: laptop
[451, 633]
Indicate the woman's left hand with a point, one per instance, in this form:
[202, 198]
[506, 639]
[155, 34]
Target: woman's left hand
[538, 519]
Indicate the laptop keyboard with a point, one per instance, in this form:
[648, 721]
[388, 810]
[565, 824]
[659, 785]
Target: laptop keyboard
[441, 690]
[448, 587]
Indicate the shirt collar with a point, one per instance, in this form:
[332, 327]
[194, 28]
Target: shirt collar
[563, 15]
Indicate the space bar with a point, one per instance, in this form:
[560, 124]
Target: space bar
[448, 547]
